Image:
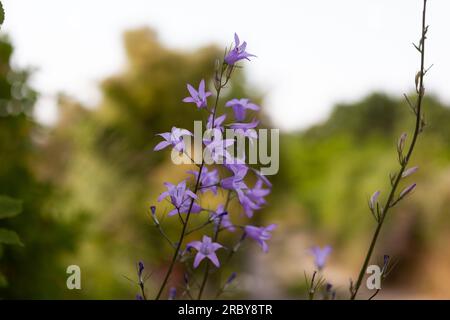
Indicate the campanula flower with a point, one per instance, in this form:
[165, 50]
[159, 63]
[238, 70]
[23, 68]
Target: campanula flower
[240, 107]
[172, 293]
[247, 204]
[140, 270]
[174, 138]
[198, 97]
[320, 255]
[238, 52]
[208, 181]
[180, 197]
[257, 193]
[221, 218]
[409, 172]
[205, 249]
[260, 234]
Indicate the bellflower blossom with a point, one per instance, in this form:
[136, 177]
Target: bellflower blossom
[320, 255]
[180, 197]
[221, 218]
[174, 138]
[205, 249]
[198, 97]
[238, 52]
[208, 180]
[240, 107]
[260, 234]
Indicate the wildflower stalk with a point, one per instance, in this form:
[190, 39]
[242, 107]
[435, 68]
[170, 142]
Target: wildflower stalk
[216, 236]
[403, 162]
[197, 185]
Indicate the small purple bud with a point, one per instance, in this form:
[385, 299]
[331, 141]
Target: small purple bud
[374, 199]
[407, 190]
[401, 142]
[172, 293]
[231, 278]
[139, 297]
[153, 209]
[409, 171]
[140, 270]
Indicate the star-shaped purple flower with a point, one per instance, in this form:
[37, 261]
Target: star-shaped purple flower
[216, 150]
[260, 234]
[244, 126]
[205, 249]
[221, 218]
[180, 197]
[320, 255]
[218, 121]
[198, 97]
[236, 181]
[208, 181]
[240, 107]
[174, 138]
[238, 52]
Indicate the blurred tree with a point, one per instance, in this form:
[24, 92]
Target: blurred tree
[31, 269]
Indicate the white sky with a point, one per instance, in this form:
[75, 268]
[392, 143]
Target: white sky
[311, 54]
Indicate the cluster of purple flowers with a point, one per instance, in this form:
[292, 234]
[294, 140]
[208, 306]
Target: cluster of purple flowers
[184, 197]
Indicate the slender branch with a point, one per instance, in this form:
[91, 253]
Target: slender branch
[197, 185]
[420, 93]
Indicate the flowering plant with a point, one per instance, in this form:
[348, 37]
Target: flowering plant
[185, 196]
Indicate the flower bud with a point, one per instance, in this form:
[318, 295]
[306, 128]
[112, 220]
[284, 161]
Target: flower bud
[407, 190]
[409, 172]
[172, 293]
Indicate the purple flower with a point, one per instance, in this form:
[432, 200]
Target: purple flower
[139, 297]
[222, 219]
[174, 138]
[208, 181]
[205, 249]
[320, 255]
[253, 199]
[260, 234]
[180, 197]
[373, 200]
[401, 142]
[235, 182]
[262, 177]
[409, 171]
[238, 52]
[198, 97]
[240, 107]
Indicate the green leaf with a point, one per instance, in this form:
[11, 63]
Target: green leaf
[2, 14]
[9, 237]
[3, 281]
[9, 207]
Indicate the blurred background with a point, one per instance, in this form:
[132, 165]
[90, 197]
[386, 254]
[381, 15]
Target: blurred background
[85, 86]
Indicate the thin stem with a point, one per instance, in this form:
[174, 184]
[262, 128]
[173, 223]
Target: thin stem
[185, 224]
[404, 163]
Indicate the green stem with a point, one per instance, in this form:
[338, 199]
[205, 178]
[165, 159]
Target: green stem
[404, 164]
